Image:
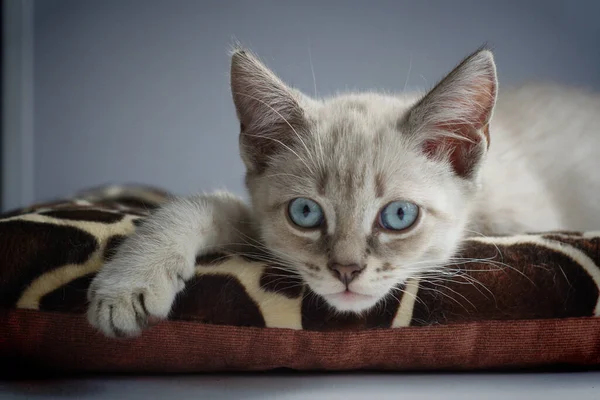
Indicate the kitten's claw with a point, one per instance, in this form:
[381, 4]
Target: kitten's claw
[122, 303]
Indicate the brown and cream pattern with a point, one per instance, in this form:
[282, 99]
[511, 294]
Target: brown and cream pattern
[50, 252]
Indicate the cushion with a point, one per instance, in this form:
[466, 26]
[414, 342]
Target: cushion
[524, 301]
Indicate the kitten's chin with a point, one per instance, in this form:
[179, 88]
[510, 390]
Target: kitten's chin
[350, 301]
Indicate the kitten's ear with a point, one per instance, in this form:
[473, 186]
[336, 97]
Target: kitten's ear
[268, 110]
[452, 121]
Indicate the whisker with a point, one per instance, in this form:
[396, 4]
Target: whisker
[312, 69]
[469, 281]
[291, 127]
[415, 296]
[485, 236]
[450, 297]
[410, 60]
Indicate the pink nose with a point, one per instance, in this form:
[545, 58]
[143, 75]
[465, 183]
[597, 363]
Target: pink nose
[346, 273]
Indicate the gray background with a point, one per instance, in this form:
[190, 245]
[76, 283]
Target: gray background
[300, 386]
[137, 91]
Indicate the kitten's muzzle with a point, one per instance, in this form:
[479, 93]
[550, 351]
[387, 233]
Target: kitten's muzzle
[346, 273]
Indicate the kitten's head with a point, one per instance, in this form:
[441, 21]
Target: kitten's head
[359, 192]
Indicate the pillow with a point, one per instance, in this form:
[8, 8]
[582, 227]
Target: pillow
[524, 301]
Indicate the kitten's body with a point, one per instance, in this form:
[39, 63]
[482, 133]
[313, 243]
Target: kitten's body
[353, 155]
[542, 171]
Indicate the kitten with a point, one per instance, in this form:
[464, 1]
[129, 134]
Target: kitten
[361, 191]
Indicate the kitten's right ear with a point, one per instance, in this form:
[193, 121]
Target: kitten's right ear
[268, 110]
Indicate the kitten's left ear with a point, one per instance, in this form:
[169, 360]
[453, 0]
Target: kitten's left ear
[452, 121]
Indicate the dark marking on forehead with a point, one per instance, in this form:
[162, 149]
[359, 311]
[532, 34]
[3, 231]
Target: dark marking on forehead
[379, 185]
[360, 175]
[322, 183]
[351, 178]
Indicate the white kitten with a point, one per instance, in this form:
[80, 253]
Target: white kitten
[361, 191]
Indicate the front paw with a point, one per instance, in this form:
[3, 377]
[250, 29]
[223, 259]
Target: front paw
[125, 298]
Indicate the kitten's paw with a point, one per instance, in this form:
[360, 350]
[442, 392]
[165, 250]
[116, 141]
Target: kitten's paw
[124, 299]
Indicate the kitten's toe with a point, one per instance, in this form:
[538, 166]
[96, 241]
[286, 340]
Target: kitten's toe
[116, 317]
[126, 311]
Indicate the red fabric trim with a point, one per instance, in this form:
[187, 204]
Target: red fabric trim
[65, 342]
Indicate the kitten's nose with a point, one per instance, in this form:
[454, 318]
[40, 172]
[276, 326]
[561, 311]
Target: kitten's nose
[346, 273]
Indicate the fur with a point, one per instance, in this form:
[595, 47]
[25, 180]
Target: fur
[474, 167]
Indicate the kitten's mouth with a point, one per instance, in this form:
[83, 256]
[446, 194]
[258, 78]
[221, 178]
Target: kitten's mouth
[349, 295]
[349, 301]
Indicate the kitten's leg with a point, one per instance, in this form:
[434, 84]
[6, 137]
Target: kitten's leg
[139, 284]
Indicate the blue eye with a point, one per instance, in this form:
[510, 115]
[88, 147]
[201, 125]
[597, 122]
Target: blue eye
[398, 215]
[305, 213]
